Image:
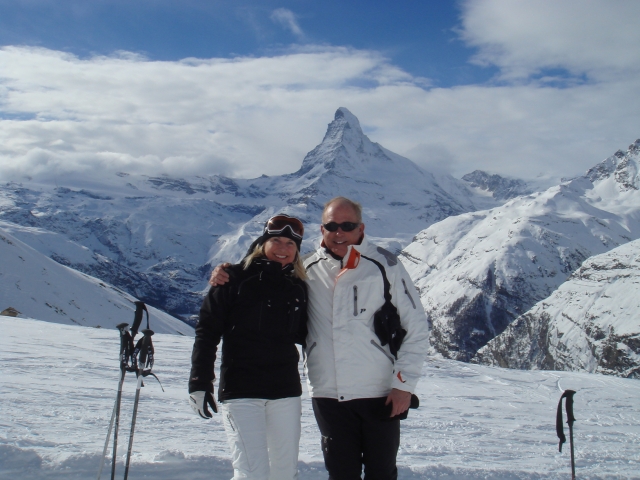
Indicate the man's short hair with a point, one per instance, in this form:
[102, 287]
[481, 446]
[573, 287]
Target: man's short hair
[355, 206]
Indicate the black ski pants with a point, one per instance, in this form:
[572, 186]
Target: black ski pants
[356, 433]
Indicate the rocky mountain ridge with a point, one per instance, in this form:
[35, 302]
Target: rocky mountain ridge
[477, 272]
[590, 323]
[499, 187]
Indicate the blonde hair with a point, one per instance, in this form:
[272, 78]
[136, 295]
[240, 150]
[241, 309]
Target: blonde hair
[258, 252]
[355, 206]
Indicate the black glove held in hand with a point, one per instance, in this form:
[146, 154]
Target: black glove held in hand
[200, 401]
[387, 326]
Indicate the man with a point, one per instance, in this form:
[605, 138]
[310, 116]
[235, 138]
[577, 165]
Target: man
[359, 388]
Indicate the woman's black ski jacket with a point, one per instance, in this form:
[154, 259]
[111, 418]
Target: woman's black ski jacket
[260, 314]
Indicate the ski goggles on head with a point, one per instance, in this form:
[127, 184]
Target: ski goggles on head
[345, 226]
[277, 224]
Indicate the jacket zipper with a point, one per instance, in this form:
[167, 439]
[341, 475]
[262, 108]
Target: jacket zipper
[406, 290]
[383, 351]
[261, 305]
[292, 306]
[261, 315]
[292, 316]
[355, 300]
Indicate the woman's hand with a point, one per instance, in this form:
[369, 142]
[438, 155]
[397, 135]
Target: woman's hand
[201, 401]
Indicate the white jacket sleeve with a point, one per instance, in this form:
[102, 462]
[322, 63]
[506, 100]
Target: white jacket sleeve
[413, 352]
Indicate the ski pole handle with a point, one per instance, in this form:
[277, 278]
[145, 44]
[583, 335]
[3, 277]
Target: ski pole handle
[568, 394]
[146, 349]
[137, 318]
[569, 407]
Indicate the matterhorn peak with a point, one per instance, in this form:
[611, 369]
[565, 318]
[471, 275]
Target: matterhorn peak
[344, 128]
[344, 148]
[345, 118]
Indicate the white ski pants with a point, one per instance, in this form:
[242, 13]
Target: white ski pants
[264, 436]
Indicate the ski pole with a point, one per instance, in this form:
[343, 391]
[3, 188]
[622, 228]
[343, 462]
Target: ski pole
[144, 352]
[125, 350]
[568, 394]
[128, 363]
[133, 426]
[106, 442]
[137, 319]
[570, 420]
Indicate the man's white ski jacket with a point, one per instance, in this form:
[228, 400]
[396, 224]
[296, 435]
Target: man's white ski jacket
[344, 358]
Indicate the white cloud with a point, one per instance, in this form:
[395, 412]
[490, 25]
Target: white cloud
[287, 19]
[253, 116]
[596, 38]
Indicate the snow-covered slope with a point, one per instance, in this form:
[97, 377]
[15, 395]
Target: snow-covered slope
[36, 286]
[148, 236]
[478, 271]
[156, 237]
[58, 386]
[591, 323]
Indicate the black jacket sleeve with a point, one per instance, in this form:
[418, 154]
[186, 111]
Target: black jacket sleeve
[209, 330]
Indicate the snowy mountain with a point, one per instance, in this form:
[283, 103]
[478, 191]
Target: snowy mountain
[34, 285]
[590, 324]
[475, 422]
[479, 271]
[156, 237]
[500, 188]
[396, 194]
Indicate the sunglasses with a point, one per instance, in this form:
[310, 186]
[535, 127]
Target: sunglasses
[278, 223]
[345, 226]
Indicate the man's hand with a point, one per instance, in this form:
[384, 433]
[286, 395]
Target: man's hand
[219, 276]
[399, 400]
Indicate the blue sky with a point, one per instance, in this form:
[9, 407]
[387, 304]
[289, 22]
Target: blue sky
[418, 36]
[532, 89]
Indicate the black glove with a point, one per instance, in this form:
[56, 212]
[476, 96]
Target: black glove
[386, 324]
[200, 401]
[415, 403]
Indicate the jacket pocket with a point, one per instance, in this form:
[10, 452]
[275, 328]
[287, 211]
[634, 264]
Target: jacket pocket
[355, 300]
[366, 296]
[231, 422]
[373, 342]
[406, 290]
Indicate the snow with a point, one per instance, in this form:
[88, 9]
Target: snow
[58, 385]
[36, 286]
[154, 237]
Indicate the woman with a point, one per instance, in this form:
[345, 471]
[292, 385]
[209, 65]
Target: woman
[261, 314]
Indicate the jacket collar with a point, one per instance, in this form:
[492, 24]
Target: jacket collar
[267, 265]
[359, 248]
